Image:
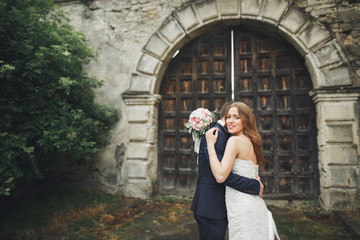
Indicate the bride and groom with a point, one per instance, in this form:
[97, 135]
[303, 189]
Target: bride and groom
[229, 191]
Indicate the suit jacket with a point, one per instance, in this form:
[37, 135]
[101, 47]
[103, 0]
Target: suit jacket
[209, 198]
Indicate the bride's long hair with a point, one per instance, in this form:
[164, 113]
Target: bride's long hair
[250, 129]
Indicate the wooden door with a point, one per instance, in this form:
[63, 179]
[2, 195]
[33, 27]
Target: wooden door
[271, 78]
[197, 77]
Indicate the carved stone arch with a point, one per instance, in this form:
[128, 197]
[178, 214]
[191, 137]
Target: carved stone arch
[324, 59]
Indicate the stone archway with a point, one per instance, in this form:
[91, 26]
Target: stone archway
[325, 61]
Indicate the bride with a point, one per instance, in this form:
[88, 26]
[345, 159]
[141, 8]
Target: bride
[248, 215]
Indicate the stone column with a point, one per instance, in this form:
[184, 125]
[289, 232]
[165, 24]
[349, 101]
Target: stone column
[338, 143]
[141, 160]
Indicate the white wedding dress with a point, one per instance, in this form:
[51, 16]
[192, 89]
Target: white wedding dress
[249, 218]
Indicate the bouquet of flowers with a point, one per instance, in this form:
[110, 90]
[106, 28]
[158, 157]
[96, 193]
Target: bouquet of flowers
[200, 121]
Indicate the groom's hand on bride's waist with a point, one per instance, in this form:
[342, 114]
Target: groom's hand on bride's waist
[261, 187]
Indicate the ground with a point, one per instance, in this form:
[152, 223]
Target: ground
[86, 215]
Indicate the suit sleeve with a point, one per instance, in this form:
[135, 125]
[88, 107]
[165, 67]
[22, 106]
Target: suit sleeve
[243, 184]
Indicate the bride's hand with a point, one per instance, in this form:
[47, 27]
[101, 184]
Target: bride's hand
[210, 137]
[261, 187]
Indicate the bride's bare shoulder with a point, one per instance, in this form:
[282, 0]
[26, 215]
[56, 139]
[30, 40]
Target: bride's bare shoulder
[242, 140]
[239, 138]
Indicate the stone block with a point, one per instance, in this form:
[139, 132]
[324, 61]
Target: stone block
[139, 113]
[136, 169]
[110, 175]
[313, 34]
[187, 17]
[147, 64]
[139, 188]
[317, 77]
[251, 7]
[112, 178]
[341, 154]
[156, 46]
[229, 7]
[207, 10]
[339, 198]
[294, 19]
[137, 151]
[152, 132]
[274, 9]
[140, 83]
[171, 30]
[338, 176]
[338, 111]
[327, 54]
[341, 133]
[338, 76]
[138, 132]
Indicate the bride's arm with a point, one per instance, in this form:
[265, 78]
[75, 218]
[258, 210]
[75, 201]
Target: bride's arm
[220, 170]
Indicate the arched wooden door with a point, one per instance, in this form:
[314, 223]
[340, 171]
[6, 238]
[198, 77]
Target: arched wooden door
[271, 78]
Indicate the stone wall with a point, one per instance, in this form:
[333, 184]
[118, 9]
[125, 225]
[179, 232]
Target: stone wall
[135, 40]
[339, 170]
[343, 19]
[118, 30]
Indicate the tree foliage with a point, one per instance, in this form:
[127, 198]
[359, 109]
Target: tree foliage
[46, 99]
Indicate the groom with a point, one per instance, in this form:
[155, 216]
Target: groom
[209, 200]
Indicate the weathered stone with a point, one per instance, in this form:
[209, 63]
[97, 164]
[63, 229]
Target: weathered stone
[147, 64]
[140, 188]
[289, 28]
[207, 10]
[171, 30]
[341, 133]
[112, 178]
[136, 169]
[156, 46]
[317, 78]
[339, 198]
[138, 133]
[313, 34]
[229, 7]
[341, 154]
[138, 150]
[139, 113]
[250, 7]
[328, 54]
[140, 83]
[274, 9]
[338, 111]
[339, 176]
[333, 109]
[328, 76]
[187, 17]
[120, 156]
[338, 76]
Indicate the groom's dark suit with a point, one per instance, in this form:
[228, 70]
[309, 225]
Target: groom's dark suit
[209, 199]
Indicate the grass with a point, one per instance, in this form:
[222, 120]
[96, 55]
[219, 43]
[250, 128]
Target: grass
[90, 215]
[86, 215]
[37, 211]
[309, 225]
[304, 228]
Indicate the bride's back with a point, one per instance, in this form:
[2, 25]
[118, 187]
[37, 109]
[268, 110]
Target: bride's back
[245, 149]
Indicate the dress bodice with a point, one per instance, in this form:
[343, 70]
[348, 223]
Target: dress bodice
[245, 168]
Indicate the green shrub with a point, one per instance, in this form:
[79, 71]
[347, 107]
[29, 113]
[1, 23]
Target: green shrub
[47, 103]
